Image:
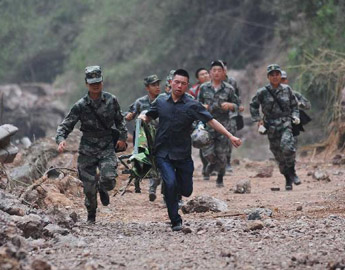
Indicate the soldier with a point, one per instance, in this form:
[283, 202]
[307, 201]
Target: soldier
[232, 127]
[280, 110]
[177, 112]
[202, 76]
[141, 104]
[303, 103]
[219, 99]
[168, 81]
[99, 113]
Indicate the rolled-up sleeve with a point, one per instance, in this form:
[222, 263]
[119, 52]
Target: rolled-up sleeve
[198, 112]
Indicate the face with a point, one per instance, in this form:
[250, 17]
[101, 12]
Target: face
[154, 89]
[203, 76]
[95, 88]
[179, 85]
[284, 81]
[217, 73]
[274, 77]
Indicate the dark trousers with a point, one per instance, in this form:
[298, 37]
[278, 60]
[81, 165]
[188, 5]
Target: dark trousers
[178, 179]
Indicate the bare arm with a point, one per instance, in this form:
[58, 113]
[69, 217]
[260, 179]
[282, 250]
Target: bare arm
[222, 130]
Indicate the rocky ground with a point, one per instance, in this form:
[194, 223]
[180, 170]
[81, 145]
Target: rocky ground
[251, 223]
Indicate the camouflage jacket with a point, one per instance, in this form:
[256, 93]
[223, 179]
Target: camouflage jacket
[108, 109]
[273, 115]
[214, 99]
[303, 102]
[142, 104]
[234, 84]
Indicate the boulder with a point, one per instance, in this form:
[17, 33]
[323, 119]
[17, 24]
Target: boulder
[202, 204]
[243, 186]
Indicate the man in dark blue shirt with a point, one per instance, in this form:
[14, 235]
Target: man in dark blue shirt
[177, 112]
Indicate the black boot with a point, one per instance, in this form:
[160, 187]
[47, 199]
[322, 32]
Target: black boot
[288, 182]
[137, 185]
[294, 176]
[91, 217]
[103, 194]
[219, 182]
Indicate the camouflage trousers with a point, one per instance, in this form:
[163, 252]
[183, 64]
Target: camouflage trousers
[232, 128]
[283, 147]
[216, 153]
[87, 170]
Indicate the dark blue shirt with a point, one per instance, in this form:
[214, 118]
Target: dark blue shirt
[175, 124]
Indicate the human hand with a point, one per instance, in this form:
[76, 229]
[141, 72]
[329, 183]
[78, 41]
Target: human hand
[121, 146]
[261, 123]
[143, 117]
[129, 116]
[296, 120]
[227, 106]
[61, 146]
[235, 141]
[241, 108]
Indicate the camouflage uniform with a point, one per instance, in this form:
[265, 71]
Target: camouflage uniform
[232, 127]
[216, 153]
[278, 123]
[142, 104]
[96, 149]
[303, 103]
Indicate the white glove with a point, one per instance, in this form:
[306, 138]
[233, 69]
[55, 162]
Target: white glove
[296, 120]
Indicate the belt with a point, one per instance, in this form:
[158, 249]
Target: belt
[97, 134]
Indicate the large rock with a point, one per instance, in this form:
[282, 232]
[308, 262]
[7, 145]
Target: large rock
[204, 204]
[33, 107]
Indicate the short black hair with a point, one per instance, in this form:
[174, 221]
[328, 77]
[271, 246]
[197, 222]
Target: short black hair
[218, 63]
[181, 72]
[198, 70]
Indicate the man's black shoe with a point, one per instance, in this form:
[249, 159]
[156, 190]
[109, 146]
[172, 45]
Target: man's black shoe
[288, 182]
[294, 176]
[152, 197]
[219, 182]
[177, 227]
[104, 197]
[91, 218]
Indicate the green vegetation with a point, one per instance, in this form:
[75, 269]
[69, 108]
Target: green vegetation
[52, 41]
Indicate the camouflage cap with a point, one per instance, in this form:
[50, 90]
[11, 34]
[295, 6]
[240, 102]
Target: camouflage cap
[218, 63]
[151, 79]
[273, 67]
[169, 77]
[93, 74]
[284, 74]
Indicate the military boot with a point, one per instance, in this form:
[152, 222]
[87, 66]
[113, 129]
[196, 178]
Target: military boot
[288, 182]
[91, 217]
[104, 196]
[294, 176]
[219, 182]
[152, 190]
[137, 185]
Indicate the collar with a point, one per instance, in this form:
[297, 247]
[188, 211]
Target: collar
[88, 99]
[183, 99]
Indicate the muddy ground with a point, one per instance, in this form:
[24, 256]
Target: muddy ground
[305, 230]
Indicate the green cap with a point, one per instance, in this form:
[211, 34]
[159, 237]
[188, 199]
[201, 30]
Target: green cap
[93, 74]
[151, 79]
[273, 67]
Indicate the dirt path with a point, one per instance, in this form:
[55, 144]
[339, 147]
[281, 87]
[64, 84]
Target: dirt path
[133, 233]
